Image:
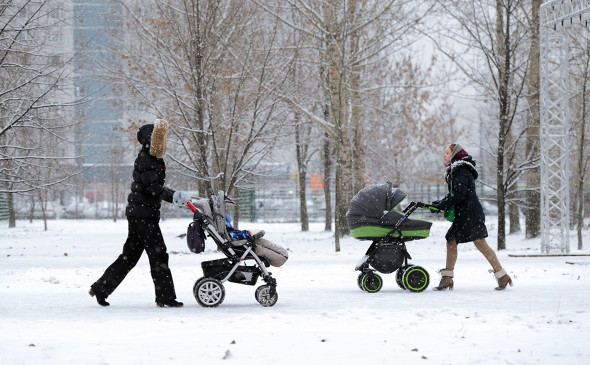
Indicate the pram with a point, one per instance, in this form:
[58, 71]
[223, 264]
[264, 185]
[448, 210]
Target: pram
[372, 216]
[209, 217]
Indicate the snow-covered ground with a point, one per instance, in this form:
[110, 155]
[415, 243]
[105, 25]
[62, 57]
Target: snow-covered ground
[321, 317]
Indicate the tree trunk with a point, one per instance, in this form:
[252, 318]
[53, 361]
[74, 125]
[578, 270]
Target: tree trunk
[302, 176]
[328, 153]
[343, 187]
[512, 194]
[198, 44]
[501, 198]
[356, 120]
[32, 208]
[43, 206]
[11, 212]
[533, 175]
[503, 77]
[327, 180]
[339, 113]
[114, 192]
[514, 216]
[582, 155]
[343, 184]
[236, 215]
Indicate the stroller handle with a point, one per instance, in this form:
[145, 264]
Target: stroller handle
[191, 207]
[197, 214]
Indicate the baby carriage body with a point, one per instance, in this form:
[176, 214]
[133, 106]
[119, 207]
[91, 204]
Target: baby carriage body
[372, 216]
[246, 260]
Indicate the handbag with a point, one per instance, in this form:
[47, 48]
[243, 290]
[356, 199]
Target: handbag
[195, 237]
[450, 214]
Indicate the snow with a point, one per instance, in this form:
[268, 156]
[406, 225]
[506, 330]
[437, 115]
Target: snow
[321, 317]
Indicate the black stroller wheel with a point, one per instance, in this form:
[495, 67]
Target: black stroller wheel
[359, 281]
[263, 296]
[209, 292]
[399, 275]
[372, 282]
[415, 279]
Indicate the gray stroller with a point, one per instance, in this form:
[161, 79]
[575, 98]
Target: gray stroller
[373, 216]
[246, 259]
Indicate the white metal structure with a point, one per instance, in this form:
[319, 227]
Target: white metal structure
[557, 17]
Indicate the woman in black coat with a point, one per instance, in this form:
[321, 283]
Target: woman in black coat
[469, 223]
[143, 216]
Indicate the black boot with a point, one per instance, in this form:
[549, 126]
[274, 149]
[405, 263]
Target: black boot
[99, 298]
[170, 303]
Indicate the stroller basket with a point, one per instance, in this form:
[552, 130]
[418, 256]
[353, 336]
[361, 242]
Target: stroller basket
[216, 268]
[388, 258]
[219, 269]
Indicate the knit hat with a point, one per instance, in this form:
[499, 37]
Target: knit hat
[458, 153]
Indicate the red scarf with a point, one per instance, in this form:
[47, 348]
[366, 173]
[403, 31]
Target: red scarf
[460, 155]
[457, 157]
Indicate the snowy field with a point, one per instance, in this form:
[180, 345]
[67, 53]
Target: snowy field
[321, 317]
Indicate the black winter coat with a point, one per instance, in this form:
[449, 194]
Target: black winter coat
[149, 175]
[469, 224]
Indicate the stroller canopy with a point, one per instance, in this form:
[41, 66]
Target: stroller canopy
[372, 215]
[214, 211]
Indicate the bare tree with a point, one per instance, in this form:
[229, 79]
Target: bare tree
[401, 125]
[348, 36]
[117, 178]
[212, 68]
[34, 97]
[533, 176]
[491, 49]
[302, 152]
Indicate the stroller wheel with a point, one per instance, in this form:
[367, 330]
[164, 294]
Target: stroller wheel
[209, 292]
[372, 282]
[415, 278]
[359, 280]
[263, 296]
[398, 277]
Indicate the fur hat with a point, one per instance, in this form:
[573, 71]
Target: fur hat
[153, 137]
[159, 136]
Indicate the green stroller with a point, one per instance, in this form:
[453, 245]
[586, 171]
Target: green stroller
[372, 216]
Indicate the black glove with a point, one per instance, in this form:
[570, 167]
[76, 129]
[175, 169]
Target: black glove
[434, 207]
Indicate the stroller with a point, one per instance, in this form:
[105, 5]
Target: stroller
[372, 216]
[210, 219]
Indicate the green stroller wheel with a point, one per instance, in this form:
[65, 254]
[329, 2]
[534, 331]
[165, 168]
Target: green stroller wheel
[359, 280]
[415, 279]
[372, 282]
[398, 277]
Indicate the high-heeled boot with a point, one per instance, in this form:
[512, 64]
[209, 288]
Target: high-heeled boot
[503, 279]
[446, 282]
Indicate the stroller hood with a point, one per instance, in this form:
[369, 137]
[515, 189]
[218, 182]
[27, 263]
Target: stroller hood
[371, 214]
[373, 206]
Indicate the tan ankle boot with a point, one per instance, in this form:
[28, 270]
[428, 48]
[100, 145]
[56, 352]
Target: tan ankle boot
[503, 279]
[446, 282]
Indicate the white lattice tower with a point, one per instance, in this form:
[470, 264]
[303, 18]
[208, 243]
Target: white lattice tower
[557, 16]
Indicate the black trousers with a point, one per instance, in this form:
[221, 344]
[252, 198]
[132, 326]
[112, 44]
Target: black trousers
[143, 235]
